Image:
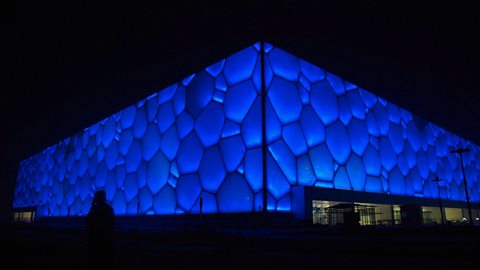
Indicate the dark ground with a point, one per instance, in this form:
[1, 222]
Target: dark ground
[331, 248]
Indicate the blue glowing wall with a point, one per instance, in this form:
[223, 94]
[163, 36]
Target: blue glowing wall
[203, 137]
[326, 132]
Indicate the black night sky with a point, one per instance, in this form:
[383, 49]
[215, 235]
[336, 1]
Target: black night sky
[78, 63]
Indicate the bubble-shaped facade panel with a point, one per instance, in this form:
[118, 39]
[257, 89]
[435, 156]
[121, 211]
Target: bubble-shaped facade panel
[324, 102]
[209, 124]
[285, 100]
[235, 195]
[338, 142]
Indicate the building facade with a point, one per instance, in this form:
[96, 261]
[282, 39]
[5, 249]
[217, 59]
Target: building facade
[261, 130]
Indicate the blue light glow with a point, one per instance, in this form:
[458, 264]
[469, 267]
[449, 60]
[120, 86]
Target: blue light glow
[203, 136]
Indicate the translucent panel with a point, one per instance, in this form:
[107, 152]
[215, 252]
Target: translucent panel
[368, 98]
[356, 104]
[174, 169]
[277, 184]
[142, 175]
[341, 180]
[371, 161]
[170, 143]
[110, 157]
[254, 169]
[324, 102]
[292, 135]
[406, 116]
[189, 154]
[396, 138]
[349, 86]
[238, 100]
[410, 155]
[151, 107]
[221, 84]
[268, 73]
[100, 153]
[257, 75]
[306, 176]
[218, 96]
[322, 162]
[304, 95]
[132, 207]
[387, 154]
[118, 179]
[216, 68]
[150, 142]
[198, 93]
[284, 64]
[146, 200]
[258, 203]
[252, 126]
[413, 136]
[396, 182]
[108, 132]
[128, 116]
[167, 93]
[233, 151]
[126, 139]
[338, 142]
[381, 116]
[209, 203]
[82, 164]
[273, 126]
[91, 147]
[165, 117]
[188, 189]
[179, 101]
[313, 73]
[209, 124]
[285, 159]
[239, 66]
[358, 136]
[140, 124]
[212, 170]
[188, 79]
[336, 84]
[356, 172]
[84, 189]
[373, 184]
[157, 172]
[119, 204]
[312, 127]
[285, 100]
[372, 125]
[422, 163]
[130, 187]
[382, 101]
[165, 201]
[230, 128]
[284, 205]
[184, 124]
[235, 195]
[133, 158]
[402, 164]
[393, 113]
[345, 113]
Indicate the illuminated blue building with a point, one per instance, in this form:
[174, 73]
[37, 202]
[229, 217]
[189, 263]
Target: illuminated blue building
[259, 129]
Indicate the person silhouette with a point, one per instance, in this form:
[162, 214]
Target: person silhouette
[100, 221]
